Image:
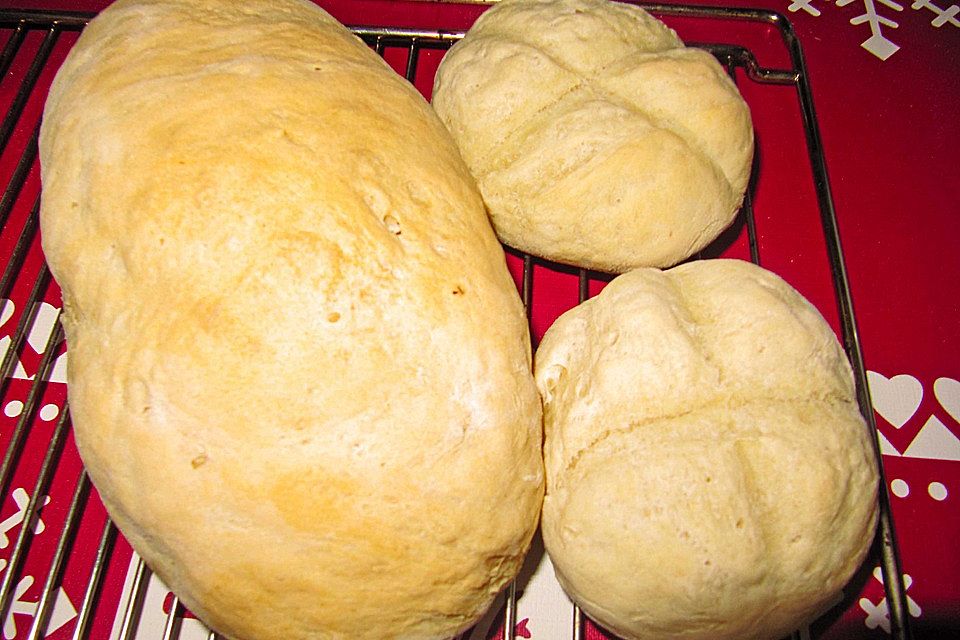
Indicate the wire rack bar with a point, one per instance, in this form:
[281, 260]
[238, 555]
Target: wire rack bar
[14, 447]
[171, 630]
[890, 564]
[732, 61]
[65, 543]
[19, 177]
[45, 18]
[25, 323]
[413, 56]
[12, 269]
[131, 614]
[81, 630]
[577, 633]
[10, 49]
[26, 87]
[30, 513]
[53, 23]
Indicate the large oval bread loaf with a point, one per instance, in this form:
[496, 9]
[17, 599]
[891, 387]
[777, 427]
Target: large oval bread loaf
[597, 138]
[299, 371]
[709, 475]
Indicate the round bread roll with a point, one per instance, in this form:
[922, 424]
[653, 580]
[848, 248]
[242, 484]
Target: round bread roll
[299, 370]
[596, 137]
[709, 475]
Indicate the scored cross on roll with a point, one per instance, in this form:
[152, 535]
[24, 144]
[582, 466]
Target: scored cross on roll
[597, 138]
[709, 475]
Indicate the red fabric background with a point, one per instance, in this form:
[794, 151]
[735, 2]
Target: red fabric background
[891, 134]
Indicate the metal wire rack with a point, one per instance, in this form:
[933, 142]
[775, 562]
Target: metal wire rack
[34, 43]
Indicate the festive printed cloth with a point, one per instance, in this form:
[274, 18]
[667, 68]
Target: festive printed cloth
[886, 88]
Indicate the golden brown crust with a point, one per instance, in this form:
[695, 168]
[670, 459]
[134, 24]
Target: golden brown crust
[299, 371]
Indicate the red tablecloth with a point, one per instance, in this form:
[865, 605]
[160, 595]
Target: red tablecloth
[886, 83]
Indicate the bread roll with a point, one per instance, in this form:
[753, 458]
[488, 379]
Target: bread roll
[299, 371]
[596, 137]
[709, 475]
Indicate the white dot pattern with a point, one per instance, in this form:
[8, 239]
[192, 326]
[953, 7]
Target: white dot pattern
[13, 409]
[49, 412]
[937, 491]
[900, 488]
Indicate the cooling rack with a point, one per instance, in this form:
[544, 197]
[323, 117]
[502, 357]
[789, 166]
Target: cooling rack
[66, 570]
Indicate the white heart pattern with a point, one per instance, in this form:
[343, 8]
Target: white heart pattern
[896, 399]
[947, 391]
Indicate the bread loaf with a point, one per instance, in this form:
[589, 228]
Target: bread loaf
[709, 475]
[299, 371]
[596, 137]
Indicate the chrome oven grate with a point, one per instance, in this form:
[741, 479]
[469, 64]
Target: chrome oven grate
[38, 450]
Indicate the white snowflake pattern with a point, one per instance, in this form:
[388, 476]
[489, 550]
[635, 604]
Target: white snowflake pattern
[878, 615]
[22, 499]
[63, 610]
[18, 607]
[878, 43]
[805, 5]
[944, 16]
